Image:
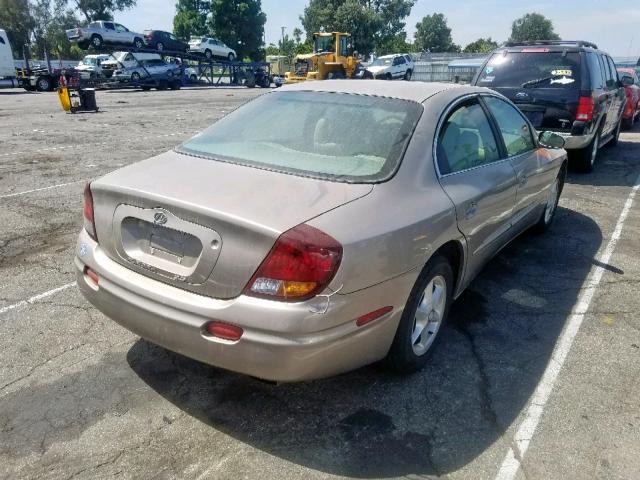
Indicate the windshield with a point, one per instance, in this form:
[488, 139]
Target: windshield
[333, 136]
[325, 44]
[89, 61]
[532, 69]
[381, 62]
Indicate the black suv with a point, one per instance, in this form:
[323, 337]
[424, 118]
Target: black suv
[568, 87]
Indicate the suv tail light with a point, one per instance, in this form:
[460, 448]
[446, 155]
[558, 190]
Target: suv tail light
[301, 264]
[585, 109]
[89, 222]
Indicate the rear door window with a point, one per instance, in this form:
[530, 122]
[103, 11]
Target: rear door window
[614, 73]
[466, 140]
[535, 69]
[515, 130]
[595, 71]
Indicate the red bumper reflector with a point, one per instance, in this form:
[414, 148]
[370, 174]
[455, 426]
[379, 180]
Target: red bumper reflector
[371, 316]
[91, 274]
[224, 331]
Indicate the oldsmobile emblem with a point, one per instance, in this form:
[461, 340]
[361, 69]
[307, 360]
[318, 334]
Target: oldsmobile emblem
[159, 218]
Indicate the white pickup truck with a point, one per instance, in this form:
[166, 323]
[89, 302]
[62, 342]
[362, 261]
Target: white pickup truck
[96, 34]
[8, 77]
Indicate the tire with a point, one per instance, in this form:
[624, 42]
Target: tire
[162, 85]
[553, 197]
[616, 135]
[265, 82]
[583, 160]
[627, 123]
[193, 78]
[407, 75]
[337, 75]
[367, 75]
[169, 74]
[146, 88]
[135, 77]
[159, 46]
[97, 42]
[138, 43]
[388, 76]
[231, 57]
[175, 85]
[207, 54]
[44, 84]
[409, 352]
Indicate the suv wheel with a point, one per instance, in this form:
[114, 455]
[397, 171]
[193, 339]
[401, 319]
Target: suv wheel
[208, 54]
[388, 76]
[423, 316]
[96, 41]
[583, 160]
[138, 43]
[231, 57]
[407, 75]
[135, 77]
[160, 46]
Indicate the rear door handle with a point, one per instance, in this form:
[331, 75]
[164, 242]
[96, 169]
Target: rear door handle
[471, 211]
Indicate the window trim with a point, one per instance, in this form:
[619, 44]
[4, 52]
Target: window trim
[499, 141]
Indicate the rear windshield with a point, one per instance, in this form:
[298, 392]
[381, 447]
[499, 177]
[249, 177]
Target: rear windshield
[532, 69]
[340, 137]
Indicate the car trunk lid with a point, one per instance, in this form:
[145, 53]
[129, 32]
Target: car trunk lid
[203, 225]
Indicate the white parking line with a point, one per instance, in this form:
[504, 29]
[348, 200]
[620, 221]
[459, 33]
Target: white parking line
[524, 434]
[40, 189]
[36, 298]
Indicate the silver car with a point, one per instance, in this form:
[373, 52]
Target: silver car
[102, 32]
[318, 228]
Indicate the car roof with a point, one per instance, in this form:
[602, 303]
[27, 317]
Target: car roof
[550, 45]
[413, 91]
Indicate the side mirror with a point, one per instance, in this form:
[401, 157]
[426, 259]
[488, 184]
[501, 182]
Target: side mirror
[627, 81]
[551, 140]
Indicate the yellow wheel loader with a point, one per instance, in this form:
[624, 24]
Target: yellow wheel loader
[332, 57]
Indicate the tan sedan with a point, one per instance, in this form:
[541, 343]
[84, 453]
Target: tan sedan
[318, 228]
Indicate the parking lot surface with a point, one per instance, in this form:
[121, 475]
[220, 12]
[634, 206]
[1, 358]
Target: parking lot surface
[80, 397]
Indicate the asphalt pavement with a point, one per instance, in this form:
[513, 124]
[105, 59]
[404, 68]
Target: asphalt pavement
[83, 398]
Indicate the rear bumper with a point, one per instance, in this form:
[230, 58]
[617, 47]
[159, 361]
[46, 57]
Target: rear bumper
[281, 341]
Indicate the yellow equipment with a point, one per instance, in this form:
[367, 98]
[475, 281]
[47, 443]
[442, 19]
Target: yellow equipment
[332, 57]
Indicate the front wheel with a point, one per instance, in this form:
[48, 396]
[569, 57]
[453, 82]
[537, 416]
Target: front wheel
[231, 57]
[159, 46]
[96, 41]
[208, 54]
[138, 43]
[426, 311]
[135, 77]
[551, 206]
[43, 84]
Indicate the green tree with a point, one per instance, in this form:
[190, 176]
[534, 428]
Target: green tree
[482, 45]
[434, 35]
[93, 10]
[297, 35]
[532, 27]
[16, 19]
[191, 18]
[240, 24]
[372, 23]
[397, 44]
[49, 33]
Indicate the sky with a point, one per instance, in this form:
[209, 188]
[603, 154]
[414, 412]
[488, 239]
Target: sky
[615, 29]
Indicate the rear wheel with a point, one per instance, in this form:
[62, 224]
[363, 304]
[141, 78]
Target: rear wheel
[584, 159]
[423, 316]
[407, 75]
[162, 85]
[160, 46]
[231, 57]
[208, 54]
[175, 85]
[388, 76]
[337, 75]
[265, 82]
[135, 77]
[193, 77]
[138, 43]
[43, 84]
[146, 88]
[627, 123]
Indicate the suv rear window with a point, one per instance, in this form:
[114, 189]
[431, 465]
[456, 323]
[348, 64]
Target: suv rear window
[333, 136]
[532, 69]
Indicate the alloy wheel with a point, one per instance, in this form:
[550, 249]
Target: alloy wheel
[429, 315]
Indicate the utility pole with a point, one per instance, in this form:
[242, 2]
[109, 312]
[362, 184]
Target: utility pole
[282, 44]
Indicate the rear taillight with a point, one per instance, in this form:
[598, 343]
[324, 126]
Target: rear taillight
[585, 109]
[301, 264]
[89, 221]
